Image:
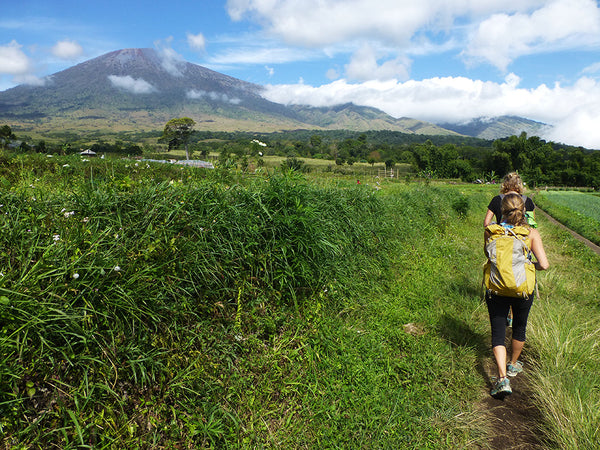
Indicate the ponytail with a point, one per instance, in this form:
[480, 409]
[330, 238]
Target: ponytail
[513, 210]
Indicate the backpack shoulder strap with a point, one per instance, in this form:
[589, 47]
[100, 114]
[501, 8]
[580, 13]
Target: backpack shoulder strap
[521, 233]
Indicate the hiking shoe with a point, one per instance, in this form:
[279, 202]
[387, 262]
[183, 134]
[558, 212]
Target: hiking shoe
[501, 389]
[513, 369]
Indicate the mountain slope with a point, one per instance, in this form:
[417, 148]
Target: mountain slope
[136, 86]
[497, 127]
[361, 118]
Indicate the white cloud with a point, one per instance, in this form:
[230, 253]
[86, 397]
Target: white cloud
[593, 68]
[574, 111]
[364, 66]
[170, 60]
[332, 74]
[134, 85]
[196, 41]
[323, 22]
[270, 70]
[215, 96]
[30, 79]
[13, 61]
[267, 54]
[67, 50]
[559, 24]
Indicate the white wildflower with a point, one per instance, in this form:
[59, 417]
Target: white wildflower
[117, 269]
[75, 276]
[56, 237]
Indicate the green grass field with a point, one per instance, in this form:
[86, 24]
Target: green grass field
[158, 306]
[580, 211]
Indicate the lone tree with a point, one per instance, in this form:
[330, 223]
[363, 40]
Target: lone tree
[177, 132]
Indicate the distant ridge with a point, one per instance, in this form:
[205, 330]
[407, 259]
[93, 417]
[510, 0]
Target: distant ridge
[497, 127]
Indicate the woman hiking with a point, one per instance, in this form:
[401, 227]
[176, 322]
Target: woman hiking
[501, 295]
[511, 184]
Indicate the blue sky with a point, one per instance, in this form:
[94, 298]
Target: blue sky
[435, 60]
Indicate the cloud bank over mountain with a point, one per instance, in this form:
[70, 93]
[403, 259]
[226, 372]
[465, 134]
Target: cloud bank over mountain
[570, 110]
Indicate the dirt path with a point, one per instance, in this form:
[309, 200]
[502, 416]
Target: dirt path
[514, 422]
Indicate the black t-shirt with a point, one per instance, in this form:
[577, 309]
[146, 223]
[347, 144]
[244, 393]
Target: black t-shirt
[496, 206]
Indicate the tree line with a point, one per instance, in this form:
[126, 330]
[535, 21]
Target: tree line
[539, 162]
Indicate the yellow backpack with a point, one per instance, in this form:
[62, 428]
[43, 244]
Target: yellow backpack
[509, 271]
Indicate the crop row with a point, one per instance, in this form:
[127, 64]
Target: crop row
[578, 210]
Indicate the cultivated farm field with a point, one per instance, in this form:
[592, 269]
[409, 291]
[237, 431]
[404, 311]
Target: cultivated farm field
[579, 211]
[147, 305]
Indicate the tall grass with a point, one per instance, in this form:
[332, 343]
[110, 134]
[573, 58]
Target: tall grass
[128, 290]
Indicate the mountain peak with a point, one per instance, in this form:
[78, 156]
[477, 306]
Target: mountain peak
[127, 58]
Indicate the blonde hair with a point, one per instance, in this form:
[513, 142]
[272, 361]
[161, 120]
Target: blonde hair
[512, 182]
[513, 209]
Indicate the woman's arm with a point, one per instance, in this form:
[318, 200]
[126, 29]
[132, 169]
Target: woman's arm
[488, 217]
[538, 250]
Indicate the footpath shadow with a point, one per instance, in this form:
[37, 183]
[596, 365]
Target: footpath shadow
[460, 334]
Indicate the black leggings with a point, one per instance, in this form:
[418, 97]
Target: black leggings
[498, 308]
